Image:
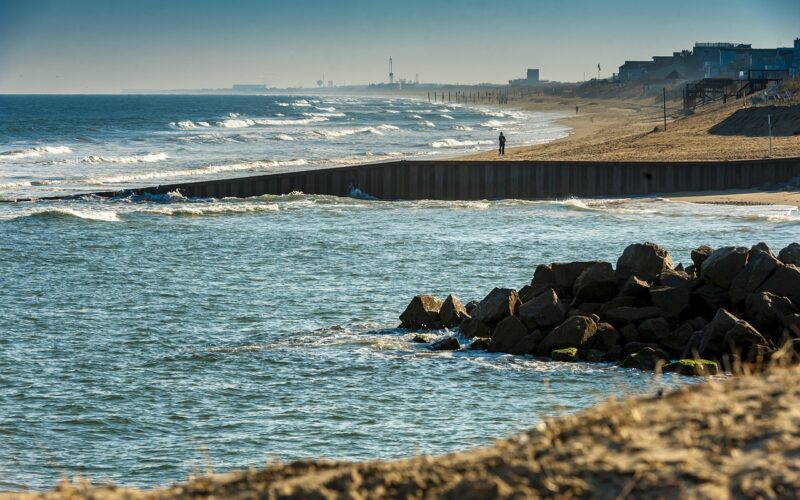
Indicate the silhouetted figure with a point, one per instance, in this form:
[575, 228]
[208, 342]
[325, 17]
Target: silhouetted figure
[502, 140]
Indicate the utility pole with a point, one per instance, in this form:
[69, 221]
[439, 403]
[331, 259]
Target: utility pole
[665, 109]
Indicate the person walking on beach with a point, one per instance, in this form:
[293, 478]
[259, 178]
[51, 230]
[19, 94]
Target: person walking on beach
[502, 140]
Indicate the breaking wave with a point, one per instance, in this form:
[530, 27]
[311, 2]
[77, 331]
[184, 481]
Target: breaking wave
[188, 125]
[454, 143]
[148, 158]
[249, 122]
[34, 152]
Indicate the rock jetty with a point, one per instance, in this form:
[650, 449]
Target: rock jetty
[732, 305]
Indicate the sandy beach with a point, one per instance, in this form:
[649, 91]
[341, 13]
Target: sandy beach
[631, 129]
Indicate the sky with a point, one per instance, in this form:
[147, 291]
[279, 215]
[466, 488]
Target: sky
[91, 46]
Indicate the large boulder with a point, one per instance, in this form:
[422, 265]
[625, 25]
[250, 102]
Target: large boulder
[653, 330]
[597, 283]
[784, 281]
[543, 279]
[480, 344]
[727, 333]
[634, 347]
[566, 355]
[700, 254]
[574, 332]
[693, 367]
[422, 312]
[646, 359]
[722, 265]
[624, 315]
[760, 266]
[498, 305]
[527, 344]
[543, 310]
[605, 338]
[566, 273]
[646, 261]
[635, 287]
[677, 340]
[790, 254]
[767, 310]
[508, 332]
[709, 297]
[446, 344]
[675, 278]
[471, 328]
[672, 300]
[452, 312]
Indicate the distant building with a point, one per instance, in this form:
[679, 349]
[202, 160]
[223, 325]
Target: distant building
[713, 60]
[249, 87]
[532, 78]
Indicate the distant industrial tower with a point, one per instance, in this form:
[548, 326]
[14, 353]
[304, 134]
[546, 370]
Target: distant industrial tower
[391, 73]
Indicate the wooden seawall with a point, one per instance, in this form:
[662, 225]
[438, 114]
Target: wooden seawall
[474, 180]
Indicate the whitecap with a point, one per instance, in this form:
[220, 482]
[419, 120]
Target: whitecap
[447, 117]
[147, 158]
[283, 137]
[454, 143]
[34, 152]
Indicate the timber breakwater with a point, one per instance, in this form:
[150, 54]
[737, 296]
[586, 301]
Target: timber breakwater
[732, 305]
[479, 180]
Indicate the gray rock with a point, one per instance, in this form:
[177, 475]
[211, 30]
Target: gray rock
[471, 327]
[623, 301]
[634, 287]
[446, 344]
[677, 340]
[672, 300]
[422, 312]
[543, 279]
[653, 330]
[508, 332]
[499, 304]
[597, 283]
[700, 254]
[592, 355]
[784, 281]
[542, 311]
[693, 367]
[470, 306]
[420, 339]
[646, 359]
[480, 344]
[727, 333]
[708, 298]
[605, 338]
[613, 354]
[790, 254]
[722, 265]
[527, 344]
[629, 333]
[625, 315]
[574, 332]
[566, 273]
[767, 310]
[566, 355]
[634, 347]
[452, 312]
[674, 278]
[646, 261]
[760, 266]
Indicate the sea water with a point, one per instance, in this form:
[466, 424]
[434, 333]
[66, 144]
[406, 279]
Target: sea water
[144, 339]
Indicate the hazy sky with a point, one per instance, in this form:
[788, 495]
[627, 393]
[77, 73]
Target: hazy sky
[110, 45]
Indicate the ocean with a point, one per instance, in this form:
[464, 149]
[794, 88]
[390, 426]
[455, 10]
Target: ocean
[144, 339]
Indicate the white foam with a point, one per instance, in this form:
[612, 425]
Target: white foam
[249, 122]
[329, 109]
[326, 114]
[494, 124]
[347, 132]
[98, 215]
[463, 128]
[283, 137]
[302, 103]
[188, 124]
[209, 170]
[34, 152]
[388, 127]
[428, 124]
[447, 117]
[454, 143]
[199, 209]
[147, 158]
[392, 111]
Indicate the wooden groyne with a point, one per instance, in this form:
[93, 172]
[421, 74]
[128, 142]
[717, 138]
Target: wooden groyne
[477, 180]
